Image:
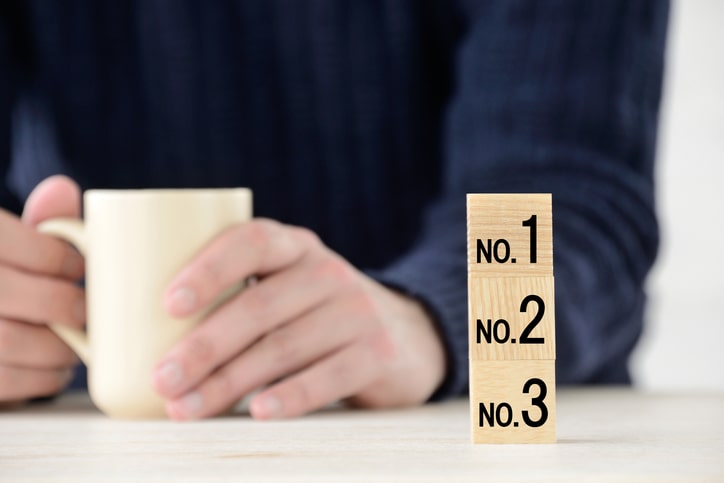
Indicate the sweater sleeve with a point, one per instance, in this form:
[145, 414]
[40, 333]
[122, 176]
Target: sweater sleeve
[558, 97]
[8, 200]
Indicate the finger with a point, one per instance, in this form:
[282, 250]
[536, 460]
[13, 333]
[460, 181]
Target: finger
[255, 248]
[336, 377]
[24, 248]
[17, 383]
[283, 351]
[259, 309]
[32, 346]
[56, 196]
[40, 299]
[53, 197]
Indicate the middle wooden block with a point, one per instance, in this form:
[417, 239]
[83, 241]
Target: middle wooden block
[511, 318]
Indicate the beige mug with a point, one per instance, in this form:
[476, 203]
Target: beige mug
[135, 242]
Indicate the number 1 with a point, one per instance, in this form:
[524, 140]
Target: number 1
[532, 223]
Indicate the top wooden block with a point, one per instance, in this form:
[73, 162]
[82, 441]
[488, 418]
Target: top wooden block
[510, 235]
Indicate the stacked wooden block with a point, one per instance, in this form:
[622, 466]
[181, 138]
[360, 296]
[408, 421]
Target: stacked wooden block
[511, 318]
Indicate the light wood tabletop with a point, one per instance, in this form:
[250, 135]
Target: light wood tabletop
[603, 435]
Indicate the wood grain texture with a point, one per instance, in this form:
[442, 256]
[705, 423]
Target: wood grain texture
[496, 383]
[604, 435]
[493, 299]
[499, 217]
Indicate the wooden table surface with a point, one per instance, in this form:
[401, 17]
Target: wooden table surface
[604, 435]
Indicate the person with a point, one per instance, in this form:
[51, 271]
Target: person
[359, 126]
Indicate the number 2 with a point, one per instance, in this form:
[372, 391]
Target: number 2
[525, 335]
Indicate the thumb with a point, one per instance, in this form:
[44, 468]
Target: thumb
[54, 197]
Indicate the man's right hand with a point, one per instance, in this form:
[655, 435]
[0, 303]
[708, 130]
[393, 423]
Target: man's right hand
[38, 276]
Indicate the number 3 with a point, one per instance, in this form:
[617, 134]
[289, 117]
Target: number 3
[536, 401]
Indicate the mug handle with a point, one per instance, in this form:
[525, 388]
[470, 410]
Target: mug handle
[71, 230]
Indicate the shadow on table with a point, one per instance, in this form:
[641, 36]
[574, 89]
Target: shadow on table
[78, 402]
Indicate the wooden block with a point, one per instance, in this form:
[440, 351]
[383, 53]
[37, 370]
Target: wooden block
[511, 318]
[513, 401]
[510, 235]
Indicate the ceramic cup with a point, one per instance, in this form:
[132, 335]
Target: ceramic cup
[135, 242]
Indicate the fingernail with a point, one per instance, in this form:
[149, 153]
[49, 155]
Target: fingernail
[79, 310]
[192, 403]
[170, 375]
[183, 300]
[267, 407]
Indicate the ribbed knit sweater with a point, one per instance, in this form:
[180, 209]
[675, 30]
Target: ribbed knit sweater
[367, 121]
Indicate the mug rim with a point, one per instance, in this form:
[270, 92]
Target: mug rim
[166, 192]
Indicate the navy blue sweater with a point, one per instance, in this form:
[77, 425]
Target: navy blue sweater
[367, 121]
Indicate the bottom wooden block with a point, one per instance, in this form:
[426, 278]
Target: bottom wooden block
[513, 401]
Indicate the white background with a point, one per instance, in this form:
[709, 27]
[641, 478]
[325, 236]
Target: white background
[683, 345]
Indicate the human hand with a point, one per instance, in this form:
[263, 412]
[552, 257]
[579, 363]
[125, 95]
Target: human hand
[37, 285]
[311, 331]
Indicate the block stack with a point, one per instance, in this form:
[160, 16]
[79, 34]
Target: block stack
[511, 316]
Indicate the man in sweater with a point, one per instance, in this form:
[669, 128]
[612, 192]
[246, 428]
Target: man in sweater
[359, 126]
